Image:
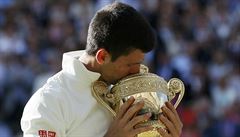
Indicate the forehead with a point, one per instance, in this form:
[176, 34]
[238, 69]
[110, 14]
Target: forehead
[135, 56]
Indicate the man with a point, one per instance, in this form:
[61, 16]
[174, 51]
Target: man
[118, 38]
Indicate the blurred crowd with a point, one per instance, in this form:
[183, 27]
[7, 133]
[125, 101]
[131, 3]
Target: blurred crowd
[198, 42]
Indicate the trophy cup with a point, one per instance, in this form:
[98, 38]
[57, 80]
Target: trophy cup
[153, 90]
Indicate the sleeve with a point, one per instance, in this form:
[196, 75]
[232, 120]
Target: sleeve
[42, 116]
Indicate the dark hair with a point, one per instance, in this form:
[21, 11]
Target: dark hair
[119, 29]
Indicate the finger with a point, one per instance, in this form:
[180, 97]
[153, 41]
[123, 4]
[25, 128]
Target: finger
[123, 109]
[171, 107]
[136, 120]
[171, 128]
[170, 115]
[141, 129]
[175, 116]
[132, 111]
[163, 132]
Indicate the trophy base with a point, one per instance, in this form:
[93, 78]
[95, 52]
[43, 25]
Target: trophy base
[152, 133]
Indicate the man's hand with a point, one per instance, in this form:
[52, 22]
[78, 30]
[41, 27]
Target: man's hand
[126, 120]
[171, 120]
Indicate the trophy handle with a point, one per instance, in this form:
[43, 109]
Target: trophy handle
[176, 86]
[101, 94]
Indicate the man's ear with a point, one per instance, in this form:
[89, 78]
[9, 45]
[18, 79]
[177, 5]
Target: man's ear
[102, 56]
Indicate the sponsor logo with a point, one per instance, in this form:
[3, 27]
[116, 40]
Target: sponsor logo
[45, 133]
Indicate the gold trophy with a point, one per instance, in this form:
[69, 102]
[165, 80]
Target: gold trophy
[153, 90]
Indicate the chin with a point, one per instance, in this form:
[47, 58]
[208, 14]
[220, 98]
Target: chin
[115, 82]
[112, 82]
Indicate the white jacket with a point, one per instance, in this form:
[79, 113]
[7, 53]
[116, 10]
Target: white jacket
[64, 106]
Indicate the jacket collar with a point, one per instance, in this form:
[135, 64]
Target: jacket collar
[76, 69]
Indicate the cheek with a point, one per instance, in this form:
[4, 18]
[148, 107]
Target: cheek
[122, 71]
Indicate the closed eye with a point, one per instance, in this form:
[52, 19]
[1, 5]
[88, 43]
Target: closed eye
[133, 64]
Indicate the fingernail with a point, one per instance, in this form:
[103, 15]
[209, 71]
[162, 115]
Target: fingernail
[149, 114]
[167, 103]
[162, 117]
[131, 98]
[141, 102]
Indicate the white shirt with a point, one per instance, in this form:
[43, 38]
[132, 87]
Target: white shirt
[64, 106]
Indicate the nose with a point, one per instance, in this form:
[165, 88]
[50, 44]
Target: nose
[134, 69]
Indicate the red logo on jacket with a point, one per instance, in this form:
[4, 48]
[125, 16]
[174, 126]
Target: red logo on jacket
[45, 133]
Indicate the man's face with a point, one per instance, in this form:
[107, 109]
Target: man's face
[111, 72]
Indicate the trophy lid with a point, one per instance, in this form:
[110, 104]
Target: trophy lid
[139, 83]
